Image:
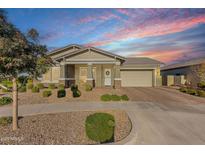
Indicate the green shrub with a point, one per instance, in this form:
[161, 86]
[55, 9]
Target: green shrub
[30, 85]
[5, 120]
[74, 87]
[51, 86]
[88, 87]
[100, 127]
[47, 93]
[5, 100]
[201, 84]
[76, 93]
[124, 98]
[40, 85]
[115, 98]
[61, 86]
[105, 97]
[61, 93]
[35, 89]
[201, 93]
[192, 91]
[22, 89]
[184, 90]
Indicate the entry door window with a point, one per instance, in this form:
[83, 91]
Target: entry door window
[107, 75]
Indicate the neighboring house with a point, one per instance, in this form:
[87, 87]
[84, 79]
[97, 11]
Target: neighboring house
[80, 65]
[178, 74]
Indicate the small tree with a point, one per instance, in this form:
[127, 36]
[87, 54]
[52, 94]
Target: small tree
[20, 54]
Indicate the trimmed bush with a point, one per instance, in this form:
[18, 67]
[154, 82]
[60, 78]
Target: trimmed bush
[5, 100]
[74, 87]
[100, 127]
[22, 89]
[47, 93]
[35, 89]
[201, 84]
[61, 86]
[115, 98]
[5, 120]
[192, 91]
[30, 85]
[201, 93]
[105, 97]
[184, 90]
[30, 80]
[40, 85]
[51, 86]
[88, 87]
[61, 93]
[124, 98]
[76, 93]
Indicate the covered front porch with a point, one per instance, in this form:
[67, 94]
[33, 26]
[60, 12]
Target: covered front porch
[96, 74]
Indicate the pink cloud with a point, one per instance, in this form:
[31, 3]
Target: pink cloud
[154, 28]
[163, 56]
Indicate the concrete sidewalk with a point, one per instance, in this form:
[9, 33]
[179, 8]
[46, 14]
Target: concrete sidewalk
[151, 123]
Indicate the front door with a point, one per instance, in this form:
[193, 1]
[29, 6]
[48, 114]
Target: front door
[107, 75]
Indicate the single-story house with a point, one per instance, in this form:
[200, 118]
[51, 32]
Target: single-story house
[76, 64]
[180, 73]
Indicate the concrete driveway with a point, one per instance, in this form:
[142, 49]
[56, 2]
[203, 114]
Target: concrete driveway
[158, 115]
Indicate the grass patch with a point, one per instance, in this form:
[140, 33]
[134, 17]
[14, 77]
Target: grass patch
[5, 100]
[105, 97]
[5, 121]
[124, 98]
[100, 127]
[115, 98]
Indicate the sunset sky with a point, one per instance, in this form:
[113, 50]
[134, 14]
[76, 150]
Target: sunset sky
[168, 35]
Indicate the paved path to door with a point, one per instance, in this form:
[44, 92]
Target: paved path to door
[152, 123]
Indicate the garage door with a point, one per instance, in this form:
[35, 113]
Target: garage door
[136, 78]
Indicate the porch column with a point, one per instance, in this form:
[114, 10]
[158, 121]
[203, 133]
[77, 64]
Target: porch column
[154, 78]
[90, 74]
[117, 79]
[62, 73]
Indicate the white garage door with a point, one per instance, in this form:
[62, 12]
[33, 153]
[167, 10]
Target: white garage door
[136, 78]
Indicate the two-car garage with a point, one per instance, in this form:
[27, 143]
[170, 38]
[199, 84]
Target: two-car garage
[136, 78]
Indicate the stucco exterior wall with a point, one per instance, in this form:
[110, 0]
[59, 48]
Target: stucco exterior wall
[52, 75]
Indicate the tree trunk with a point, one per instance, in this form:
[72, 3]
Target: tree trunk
[15, 104]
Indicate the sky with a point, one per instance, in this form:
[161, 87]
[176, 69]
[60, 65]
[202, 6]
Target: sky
[167, 35]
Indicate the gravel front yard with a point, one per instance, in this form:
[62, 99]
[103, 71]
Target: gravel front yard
[59, 128]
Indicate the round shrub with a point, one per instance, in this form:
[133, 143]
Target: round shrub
[192, 91]
[40, 85]
[30, 85]
[76, 93]
[22, 89]
[105, 97]
[47, 93]
[115, 98]
[74, 87]
[51, 86]
[30, 80]
[184, 90]
[5, 100]
[125, 98]
[88, 87]
[5, 120]
[35, 89]
[61, 86]
[201, 93]
[100, 127]
[61, 93]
